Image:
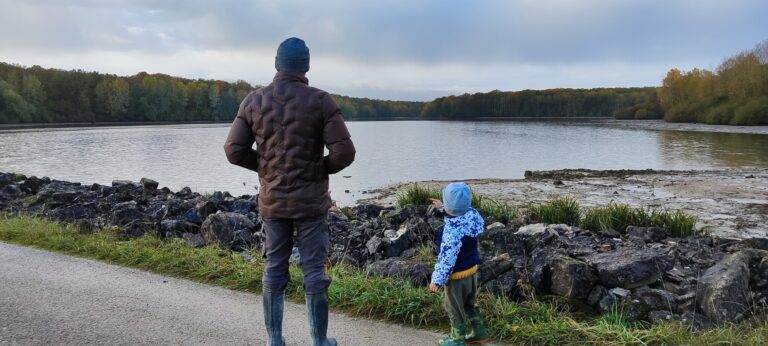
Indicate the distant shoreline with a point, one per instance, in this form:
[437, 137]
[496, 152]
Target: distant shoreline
[650, 125]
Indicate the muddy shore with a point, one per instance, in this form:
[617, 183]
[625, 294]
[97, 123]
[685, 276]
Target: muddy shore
[730, 203]
[661, 125]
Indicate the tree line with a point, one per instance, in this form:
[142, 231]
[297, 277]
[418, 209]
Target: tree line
[567, 103]
[40, 95]
[735, 93]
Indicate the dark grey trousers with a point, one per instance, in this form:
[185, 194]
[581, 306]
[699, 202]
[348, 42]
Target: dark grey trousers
[312, 241]
[461, 299]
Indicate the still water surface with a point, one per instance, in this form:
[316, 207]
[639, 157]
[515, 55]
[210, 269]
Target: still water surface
[387, 153]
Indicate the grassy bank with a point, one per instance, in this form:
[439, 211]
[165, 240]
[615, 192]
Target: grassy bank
[536, 322]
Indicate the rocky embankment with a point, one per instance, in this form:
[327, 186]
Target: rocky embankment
[643, 272]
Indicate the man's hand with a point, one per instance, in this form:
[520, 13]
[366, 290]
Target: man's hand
[437, 203]
[434, 288]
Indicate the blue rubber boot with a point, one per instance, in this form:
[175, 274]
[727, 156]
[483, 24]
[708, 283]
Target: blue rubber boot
[317, 311]
[273, 316]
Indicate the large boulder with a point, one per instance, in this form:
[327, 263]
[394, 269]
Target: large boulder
[125, 213]
[148, 184]
[570, 277]
[220, 229]
[418, 273]
[723, 291]
[630, 267]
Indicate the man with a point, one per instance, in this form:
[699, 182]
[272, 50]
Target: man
[291, 122]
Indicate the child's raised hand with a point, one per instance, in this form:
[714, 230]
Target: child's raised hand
[434, 288]
[437, 203]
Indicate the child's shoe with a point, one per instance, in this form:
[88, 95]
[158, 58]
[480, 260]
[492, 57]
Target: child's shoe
[456, 338]
[479, 334]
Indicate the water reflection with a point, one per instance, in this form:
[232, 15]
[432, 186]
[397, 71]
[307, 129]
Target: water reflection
[388, 152]
[713, 150]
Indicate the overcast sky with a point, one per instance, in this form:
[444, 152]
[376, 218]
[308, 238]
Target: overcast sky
[406, 50]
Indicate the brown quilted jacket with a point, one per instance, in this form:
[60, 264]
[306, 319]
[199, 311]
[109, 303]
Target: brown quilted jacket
[291, 123]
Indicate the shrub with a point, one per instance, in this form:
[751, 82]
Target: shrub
[754, 112]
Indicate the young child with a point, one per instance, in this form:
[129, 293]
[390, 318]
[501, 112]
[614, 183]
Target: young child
[457, 265]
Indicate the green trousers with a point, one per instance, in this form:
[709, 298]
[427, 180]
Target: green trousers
[461, 299]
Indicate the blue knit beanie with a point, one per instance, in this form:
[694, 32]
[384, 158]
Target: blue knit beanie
[292, 56]
[457, 198]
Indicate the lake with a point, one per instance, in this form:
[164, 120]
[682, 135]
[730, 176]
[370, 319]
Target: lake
[387, 153]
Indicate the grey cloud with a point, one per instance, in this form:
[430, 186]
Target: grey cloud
[425, 32]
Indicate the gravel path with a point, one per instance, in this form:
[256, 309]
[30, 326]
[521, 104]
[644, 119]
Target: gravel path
[48, 298]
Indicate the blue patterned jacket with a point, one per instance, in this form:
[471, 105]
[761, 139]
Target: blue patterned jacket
[470, 225]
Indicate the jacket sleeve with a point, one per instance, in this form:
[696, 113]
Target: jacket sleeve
[449, 251]
[239, 144]
[341, 150]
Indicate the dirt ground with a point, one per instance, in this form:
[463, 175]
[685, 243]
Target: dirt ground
[731, 203]
[658, 125]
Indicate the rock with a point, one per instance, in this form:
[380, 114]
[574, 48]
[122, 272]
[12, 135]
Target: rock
[176, 228]
[73, 212]
[126, 212]
[723, 291]
[193, 239]
[610, 233]
[395, 246]
[505, 285]
[242, 206]
[34, 184]
[417, 273]
[597, 293]
[695, 321]
[365, 211]
[148, 184]
[570, 277]
[630, 268]
[607, 303]
[656, 299]
[6, 178]
[619, 292]
[647, 234]
[492, 269]
[495, 225]
[395, 218]
[220, 228]
[242, 239]
[206, 208]
[751, 243]
[532, 229]
[661, 316]
[193, 216]
[124, 186]
[375, 244]
[12, 191]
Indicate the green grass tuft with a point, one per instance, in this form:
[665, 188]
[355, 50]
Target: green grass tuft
[617, 217]
[417, 195]
[557, 210]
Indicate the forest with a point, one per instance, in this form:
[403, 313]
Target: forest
[564, 103]
[44, 95]
[735, 93]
